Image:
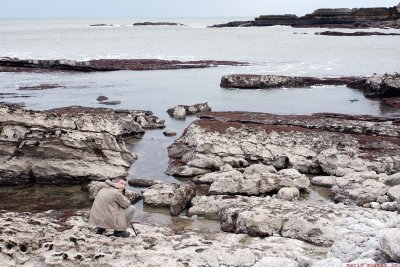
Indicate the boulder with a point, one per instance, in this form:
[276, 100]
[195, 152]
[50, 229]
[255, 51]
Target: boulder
[159, 195]
[394, 193]
[181, 111]
[288, 193]
[393, 179]
[101, 98]
[136, 182]
[169, 133]
[389, 243]
[255, 181]
[358, 188]
[182, 196]
[326, 181]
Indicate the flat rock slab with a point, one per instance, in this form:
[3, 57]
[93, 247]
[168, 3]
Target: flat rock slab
[320, 224]
[67, 145]
[65, 238]
[34, 65]
[322, 144]
[251, 81]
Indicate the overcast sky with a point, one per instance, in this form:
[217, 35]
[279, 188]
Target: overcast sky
[170, 8]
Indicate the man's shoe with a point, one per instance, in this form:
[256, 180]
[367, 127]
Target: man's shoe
[100, 231]
[121, 233]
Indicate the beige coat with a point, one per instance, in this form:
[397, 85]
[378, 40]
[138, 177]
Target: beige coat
[108, 209]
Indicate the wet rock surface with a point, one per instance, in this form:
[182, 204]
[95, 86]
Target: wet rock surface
[356, 18]
[181, 111]
[67, 145]
[34, 65]
[138, 182]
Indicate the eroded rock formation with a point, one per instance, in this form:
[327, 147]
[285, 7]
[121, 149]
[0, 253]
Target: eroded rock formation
[65, 239]
[328, 144]
[67, 145]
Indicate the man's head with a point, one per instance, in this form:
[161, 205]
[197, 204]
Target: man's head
[121, 183]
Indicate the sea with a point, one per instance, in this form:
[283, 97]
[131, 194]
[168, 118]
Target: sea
[269, 50]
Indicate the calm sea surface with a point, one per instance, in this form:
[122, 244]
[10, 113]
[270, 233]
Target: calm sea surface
[270, 50]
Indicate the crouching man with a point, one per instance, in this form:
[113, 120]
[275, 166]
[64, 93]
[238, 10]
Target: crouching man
[111, 209]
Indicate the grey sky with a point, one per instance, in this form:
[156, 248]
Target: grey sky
[170, 8]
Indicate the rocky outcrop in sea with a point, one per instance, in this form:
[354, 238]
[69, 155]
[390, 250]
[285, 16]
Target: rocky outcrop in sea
[380, 17]
[386, 86]
[97, 65]
[68, 145]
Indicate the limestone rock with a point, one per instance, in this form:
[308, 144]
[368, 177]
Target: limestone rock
[328, 144]
[181, 111]
[67, 145]
[133, 196]
[288, 193]
[182, 196]
[327, 181]
[315, 223]
[393, 179]
[169, 133]
[389, 243]
[257, 180]
[357, 245]
[357, 189]
[143, 182]
[386, 85]
[94, 187]
[249, 81]
[159, 195]
[394, 193]
[276, 262]
[65, 239]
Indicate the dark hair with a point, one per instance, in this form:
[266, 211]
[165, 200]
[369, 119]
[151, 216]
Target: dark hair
[117, 179]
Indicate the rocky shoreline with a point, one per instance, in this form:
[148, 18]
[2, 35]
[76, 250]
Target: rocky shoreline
[250, 173]
[96, 65]
[356, 18]
[68, 145]
[386, 86]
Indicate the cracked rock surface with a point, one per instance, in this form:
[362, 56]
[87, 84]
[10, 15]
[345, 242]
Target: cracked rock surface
[67, 145]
